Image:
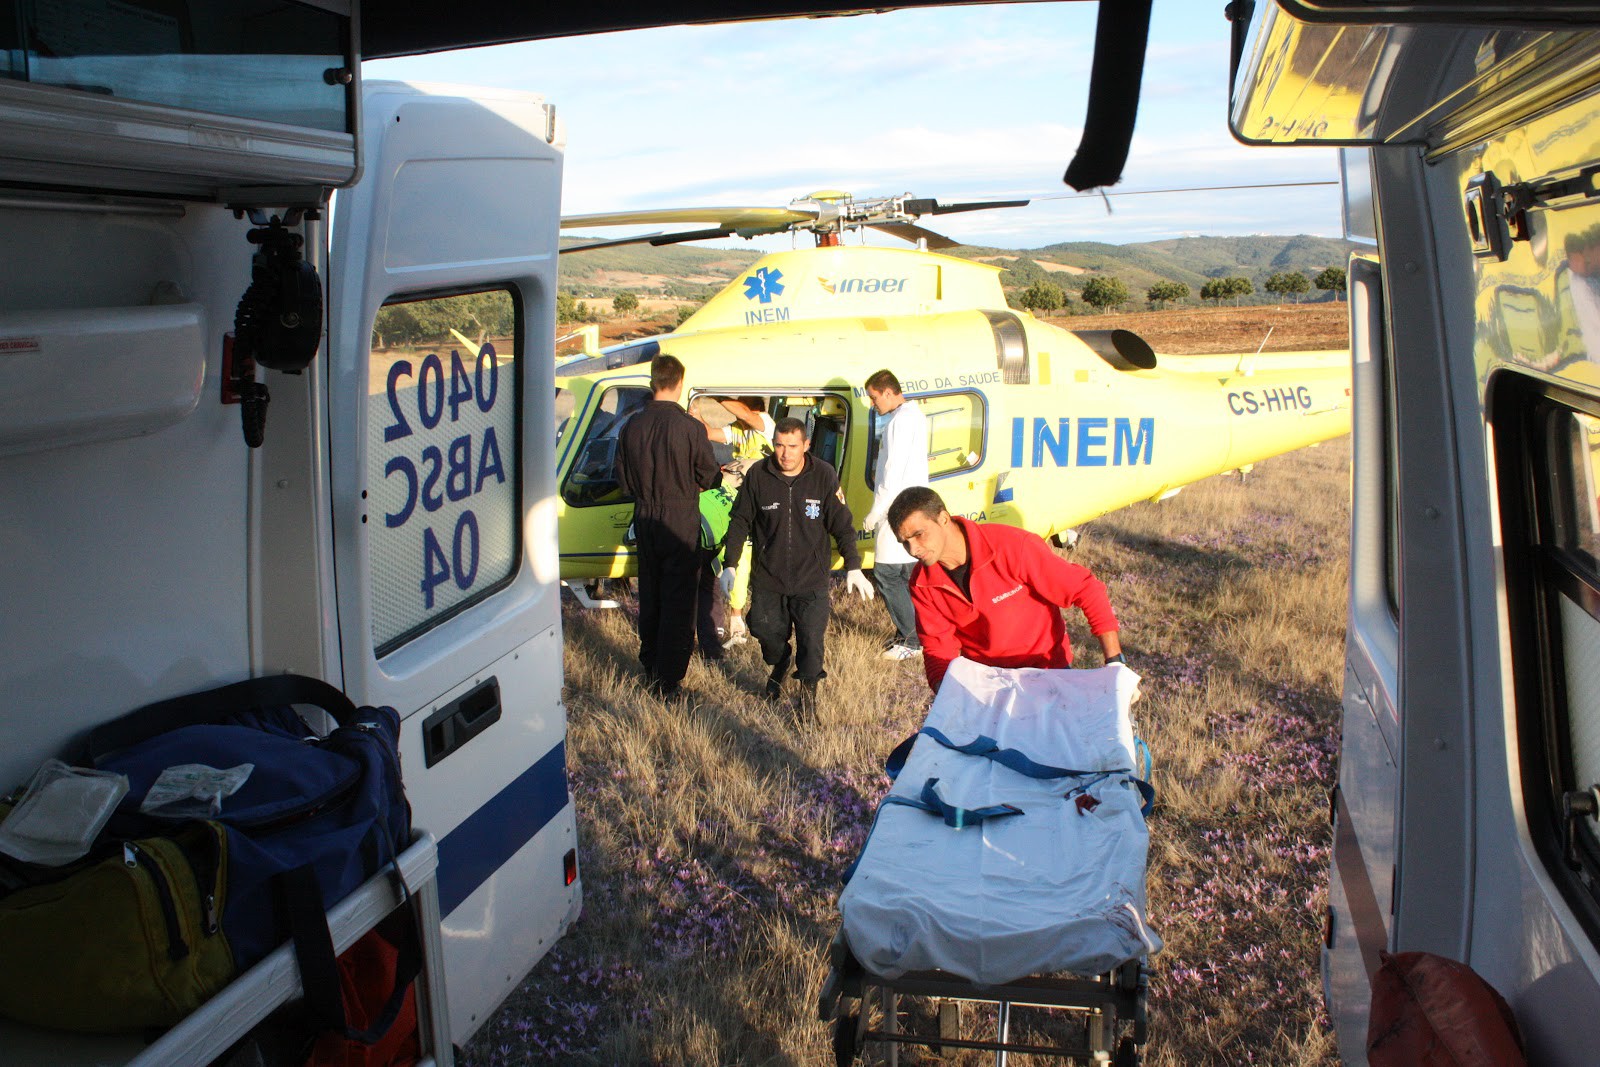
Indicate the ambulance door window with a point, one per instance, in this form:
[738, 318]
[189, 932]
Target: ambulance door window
[955, 432]
[252, 61]
[443, 454]
[1550, 485]
[593, 478]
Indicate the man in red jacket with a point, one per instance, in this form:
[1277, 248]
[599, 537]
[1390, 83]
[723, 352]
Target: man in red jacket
[993, 593]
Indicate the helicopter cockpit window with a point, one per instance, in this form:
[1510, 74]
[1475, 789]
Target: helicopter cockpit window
[565, 404]
[613, 359]
[955, 433]
[443, 458]
[593, 478]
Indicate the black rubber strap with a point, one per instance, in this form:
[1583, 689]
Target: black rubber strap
[301, 902]
[1121, 32]
[214, 706]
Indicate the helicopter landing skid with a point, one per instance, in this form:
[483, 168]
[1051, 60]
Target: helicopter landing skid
[579, 590]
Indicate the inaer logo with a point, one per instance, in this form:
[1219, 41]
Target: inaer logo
[1007, 595]
[765, 284]
[862, 285]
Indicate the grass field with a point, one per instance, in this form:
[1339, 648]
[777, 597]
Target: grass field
[712, 837]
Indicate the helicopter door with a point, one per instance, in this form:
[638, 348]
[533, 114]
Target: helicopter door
[442, 454]
[597, 511]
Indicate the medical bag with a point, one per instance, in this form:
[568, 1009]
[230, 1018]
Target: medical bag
[314, 817]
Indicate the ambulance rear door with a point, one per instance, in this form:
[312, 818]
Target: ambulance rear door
[443, 467]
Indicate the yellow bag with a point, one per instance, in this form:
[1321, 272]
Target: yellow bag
[130, 942]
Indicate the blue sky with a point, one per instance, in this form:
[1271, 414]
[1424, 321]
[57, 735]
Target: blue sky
[959, 103]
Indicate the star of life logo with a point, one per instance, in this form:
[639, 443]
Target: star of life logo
[764, 284]
[813, 508]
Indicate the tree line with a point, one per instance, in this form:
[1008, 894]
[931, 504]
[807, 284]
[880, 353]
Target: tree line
[1105, 292]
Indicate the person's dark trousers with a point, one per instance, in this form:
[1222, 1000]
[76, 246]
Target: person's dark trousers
[894, 583]
[705, 622]
[774, 616]
[670, 562]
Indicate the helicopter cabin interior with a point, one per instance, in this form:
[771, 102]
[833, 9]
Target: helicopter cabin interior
[956, 433]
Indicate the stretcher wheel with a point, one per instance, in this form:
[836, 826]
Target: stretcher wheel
[844, 1039]
[1127, 1054]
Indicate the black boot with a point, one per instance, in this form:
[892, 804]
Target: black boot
[776, 676]
[808, 698]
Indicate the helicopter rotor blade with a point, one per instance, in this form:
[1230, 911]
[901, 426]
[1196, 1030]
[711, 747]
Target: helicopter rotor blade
[607, 243]
[933, 207]
[730, 218]
[656, 239]
[907, 232]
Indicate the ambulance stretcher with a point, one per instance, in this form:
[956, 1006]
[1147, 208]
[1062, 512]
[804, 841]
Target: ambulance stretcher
[1006, 866]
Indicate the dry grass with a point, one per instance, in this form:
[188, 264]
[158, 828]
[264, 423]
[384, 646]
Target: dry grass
[1192, 330]
[713, 836]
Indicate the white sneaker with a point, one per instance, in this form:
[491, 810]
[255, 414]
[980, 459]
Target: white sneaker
[901, 652]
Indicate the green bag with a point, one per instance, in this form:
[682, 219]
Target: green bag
[716, 507]
[134, 933]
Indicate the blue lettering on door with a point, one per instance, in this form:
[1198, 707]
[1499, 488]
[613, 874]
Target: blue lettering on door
[1131, 441]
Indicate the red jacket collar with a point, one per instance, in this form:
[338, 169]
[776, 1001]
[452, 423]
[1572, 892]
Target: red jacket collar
[979, 554]
[979, 550]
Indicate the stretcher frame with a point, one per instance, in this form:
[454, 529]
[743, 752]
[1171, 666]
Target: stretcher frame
[1112, 1005]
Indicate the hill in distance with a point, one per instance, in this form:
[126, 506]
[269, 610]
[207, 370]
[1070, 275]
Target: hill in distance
[684, 272]
[681, 271]
[1190, 260]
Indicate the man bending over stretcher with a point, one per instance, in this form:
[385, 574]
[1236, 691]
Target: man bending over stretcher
[993, 593]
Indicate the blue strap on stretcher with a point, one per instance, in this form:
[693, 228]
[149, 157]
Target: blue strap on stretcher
[1011, 758]
[930, 801]
[954, 816]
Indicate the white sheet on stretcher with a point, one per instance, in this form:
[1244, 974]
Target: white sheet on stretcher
[1045, 891]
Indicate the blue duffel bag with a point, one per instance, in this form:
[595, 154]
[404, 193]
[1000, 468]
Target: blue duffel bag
[315, 818]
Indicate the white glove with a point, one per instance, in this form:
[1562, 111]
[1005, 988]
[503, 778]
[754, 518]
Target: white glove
[874, 517]
[738, 632]
[726, 580]
[857, 583]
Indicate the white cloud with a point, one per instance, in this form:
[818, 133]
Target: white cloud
[957, 103]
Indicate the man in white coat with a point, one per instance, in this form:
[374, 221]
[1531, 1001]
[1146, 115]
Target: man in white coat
[902, 463]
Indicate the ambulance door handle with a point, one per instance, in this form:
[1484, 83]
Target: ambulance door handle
[459, 721]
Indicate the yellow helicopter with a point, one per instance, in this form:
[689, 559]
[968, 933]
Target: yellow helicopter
[1030, 424]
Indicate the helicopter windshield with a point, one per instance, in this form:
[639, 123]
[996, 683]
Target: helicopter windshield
[593, 479]
[564, 406]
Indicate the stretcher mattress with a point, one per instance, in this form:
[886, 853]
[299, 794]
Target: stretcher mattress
[1059, 887]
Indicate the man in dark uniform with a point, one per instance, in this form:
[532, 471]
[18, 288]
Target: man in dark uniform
[790, 506]
[664, 461]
